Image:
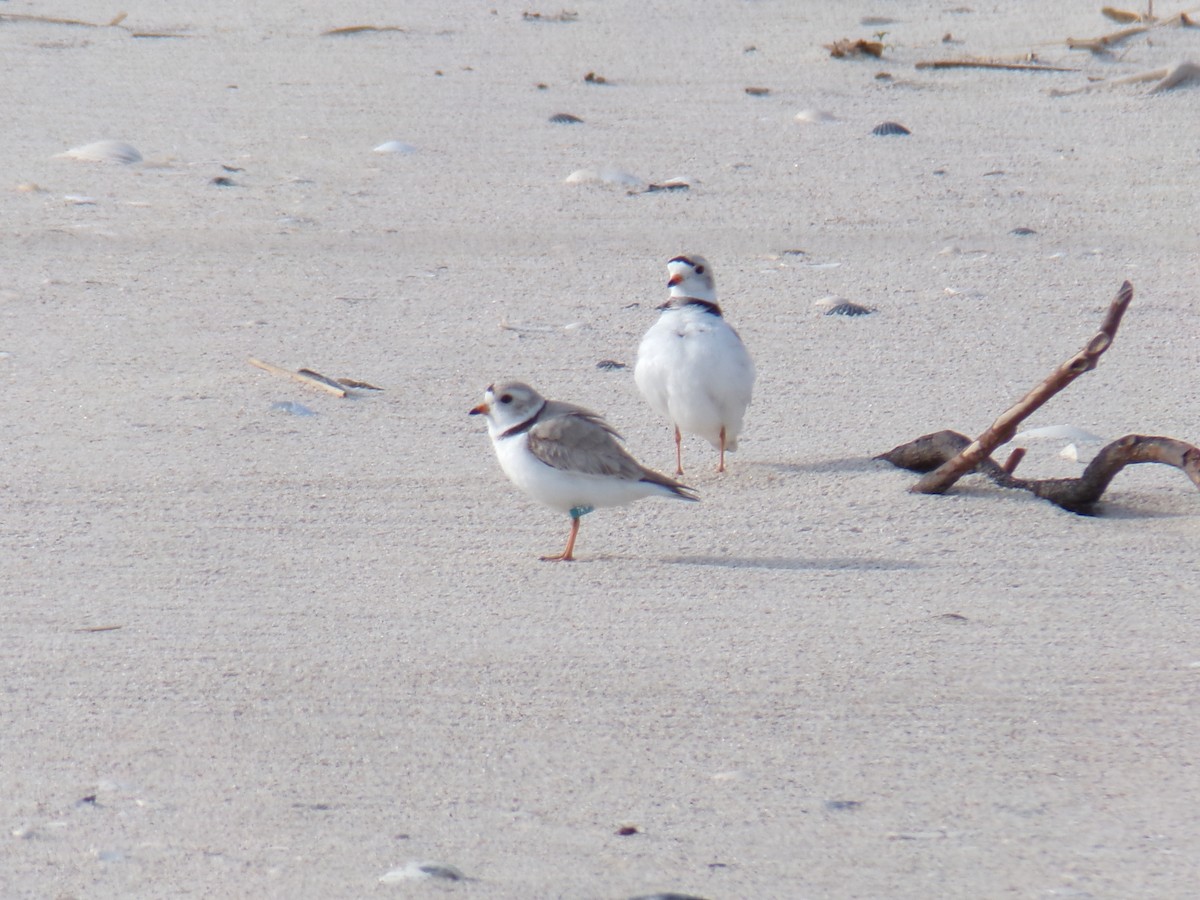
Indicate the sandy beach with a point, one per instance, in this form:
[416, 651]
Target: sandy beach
[262, 641]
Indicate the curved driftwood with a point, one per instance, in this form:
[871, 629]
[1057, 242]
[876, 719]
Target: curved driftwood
[1078, 495]
[1002, 430]
[946, 456]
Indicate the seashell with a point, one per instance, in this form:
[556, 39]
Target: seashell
[670, 184]
[561, 16]
[836, 306]
[667, 895]
[620, 177]
[604, 176]
[103, 151]
[421, 870]
[610, 365]
[1022, 231]
[884, 129]
[849, 309]
[816, 117]
[79, 200]
[1078, 454]
[398, 147]
[758, 91]
[565, 119]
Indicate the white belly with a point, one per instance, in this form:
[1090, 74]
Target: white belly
[697, 373]
[561, 489]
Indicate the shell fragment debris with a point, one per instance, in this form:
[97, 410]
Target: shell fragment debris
[422, 870]
[103, 151]
[397, 147]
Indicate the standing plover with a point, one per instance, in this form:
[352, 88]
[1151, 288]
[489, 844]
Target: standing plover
[692, 366]
[566, 457]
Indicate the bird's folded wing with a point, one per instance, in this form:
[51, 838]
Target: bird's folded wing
[581, 442]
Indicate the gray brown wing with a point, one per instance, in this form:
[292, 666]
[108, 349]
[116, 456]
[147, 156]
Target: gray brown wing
[580, 441]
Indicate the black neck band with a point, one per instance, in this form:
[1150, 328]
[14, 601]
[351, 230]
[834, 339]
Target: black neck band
[522, 427]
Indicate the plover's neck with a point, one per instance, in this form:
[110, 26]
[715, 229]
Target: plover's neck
[522, 427]
[707, 306]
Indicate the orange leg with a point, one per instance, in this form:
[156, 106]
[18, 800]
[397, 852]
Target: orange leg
[721, 465]
[678, 452]
[566, 555]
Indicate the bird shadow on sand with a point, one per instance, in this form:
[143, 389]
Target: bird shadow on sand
[819, 466]
[796, 563]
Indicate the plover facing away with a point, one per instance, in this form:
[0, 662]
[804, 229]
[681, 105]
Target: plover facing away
[565, 456]
[692, 367]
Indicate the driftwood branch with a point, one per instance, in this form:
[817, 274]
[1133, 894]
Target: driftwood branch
[988, 64]
[945, 456]
[1078, 495]
[1002, 430]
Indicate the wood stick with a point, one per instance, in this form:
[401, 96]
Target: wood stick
[51, 20]
[1078, 495]
[297, 376]
[985, 64]
[1014, 460]
[1106, 41]
[1002, 430]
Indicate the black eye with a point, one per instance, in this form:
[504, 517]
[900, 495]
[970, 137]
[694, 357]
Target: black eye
[506, 398]
[699, 270]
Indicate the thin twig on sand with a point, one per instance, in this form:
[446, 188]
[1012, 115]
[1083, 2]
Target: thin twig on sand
[305, 376]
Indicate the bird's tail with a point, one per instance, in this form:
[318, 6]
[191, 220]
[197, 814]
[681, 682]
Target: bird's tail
[675, 488]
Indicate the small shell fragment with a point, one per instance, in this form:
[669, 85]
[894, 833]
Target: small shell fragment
[885, 129]
[565, 119]
[103, 151]
[670, 184]
[816, 117]
[421, 870]
[1022, 231]
[604, 176]
[399, 147]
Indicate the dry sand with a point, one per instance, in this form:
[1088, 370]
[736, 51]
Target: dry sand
[334, 649]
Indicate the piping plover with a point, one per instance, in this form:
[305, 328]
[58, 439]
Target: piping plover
[566, 457]
[692, 366]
